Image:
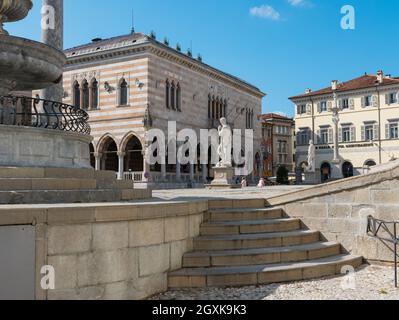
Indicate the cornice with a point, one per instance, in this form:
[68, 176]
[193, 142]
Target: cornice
[166, 53]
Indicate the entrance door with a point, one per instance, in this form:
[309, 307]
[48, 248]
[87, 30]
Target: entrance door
[325, 172]
[347, 169]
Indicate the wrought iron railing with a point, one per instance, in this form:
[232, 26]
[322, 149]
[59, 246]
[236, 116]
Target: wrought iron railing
[385, 231]
[39, 113]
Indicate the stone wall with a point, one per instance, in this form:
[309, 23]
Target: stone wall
[37, 147]
[340, 209]
[109, 251]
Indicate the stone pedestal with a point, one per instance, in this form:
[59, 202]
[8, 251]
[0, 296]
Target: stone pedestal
[224, 178]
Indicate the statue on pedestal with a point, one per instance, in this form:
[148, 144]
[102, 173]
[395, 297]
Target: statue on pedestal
[225, 146]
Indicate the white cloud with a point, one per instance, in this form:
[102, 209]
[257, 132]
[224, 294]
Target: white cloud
[299, 3]
[265, 12]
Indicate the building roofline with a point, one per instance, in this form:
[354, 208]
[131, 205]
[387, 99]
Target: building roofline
[150, 41]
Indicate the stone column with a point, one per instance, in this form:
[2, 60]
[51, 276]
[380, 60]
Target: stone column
[121, 160]
[98, 156]
[53, 35]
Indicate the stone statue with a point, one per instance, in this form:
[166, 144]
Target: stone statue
[311, 157]
[225, 146]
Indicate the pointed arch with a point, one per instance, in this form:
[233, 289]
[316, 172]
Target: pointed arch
[167, 93]
[123, 90]
[85, 95]
[76, 94]
[94, 94]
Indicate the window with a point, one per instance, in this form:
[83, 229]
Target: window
[393, 131]
[392, 98]
[345, 103]
[94, 94]
[346, 134]
[303, 137]
[324, 136]
[249, 119]
[323, 106]
[209, 107]
[86, 92]
[123, 92]
[178, 97]
[368, 101]
[167, 94]
[369, 132]
[302, 109]
[76, 94]
[173, 95]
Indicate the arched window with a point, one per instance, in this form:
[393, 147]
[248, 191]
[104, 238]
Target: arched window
[217, 108]
[167, 94]
[213, 108]
[209, 107]
[173, 95]
[178, 97]
[94, 94]
[123, 92]
[76, 94]
[225, 108]
[85, 92]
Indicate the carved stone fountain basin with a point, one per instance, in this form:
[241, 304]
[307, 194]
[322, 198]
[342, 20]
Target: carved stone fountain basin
[28, 65]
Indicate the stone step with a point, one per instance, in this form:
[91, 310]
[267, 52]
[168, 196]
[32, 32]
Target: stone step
[245, 257]
[16, 184]
[72, 196]
[259, 240]
[244, 214]
[236, 203]
[260, 274]
[27, 184]
[250, 226]
[11, 172]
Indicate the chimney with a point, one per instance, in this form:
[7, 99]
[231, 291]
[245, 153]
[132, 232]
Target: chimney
[380, 76]
[334, 85]
[308, 91]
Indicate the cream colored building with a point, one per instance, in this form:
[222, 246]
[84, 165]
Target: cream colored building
[367, 129]
[132, 83]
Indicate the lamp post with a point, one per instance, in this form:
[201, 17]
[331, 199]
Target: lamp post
[335, 110]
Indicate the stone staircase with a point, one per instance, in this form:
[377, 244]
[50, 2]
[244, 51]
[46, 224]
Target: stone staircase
[249, 245]
[53, 185]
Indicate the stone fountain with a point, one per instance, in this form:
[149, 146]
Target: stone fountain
[36, 132]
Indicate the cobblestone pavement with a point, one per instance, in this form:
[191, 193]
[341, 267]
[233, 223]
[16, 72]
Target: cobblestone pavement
[370, 282]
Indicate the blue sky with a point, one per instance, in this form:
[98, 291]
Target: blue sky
[281, 46]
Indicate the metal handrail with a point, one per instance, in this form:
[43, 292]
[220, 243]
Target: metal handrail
[39, 113]
[376, 226]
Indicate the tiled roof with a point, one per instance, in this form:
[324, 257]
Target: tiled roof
[274, 116]
[363, 82]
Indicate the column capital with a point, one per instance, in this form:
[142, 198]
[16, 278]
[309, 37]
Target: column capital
[121, 154]
[97, 154]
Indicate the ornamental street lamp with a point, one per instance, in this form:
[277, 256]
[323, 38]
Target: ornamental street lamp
[335, 110]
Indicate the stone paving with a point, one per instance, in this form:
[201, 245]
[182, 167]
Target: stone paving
[247, 193]
[368, 283]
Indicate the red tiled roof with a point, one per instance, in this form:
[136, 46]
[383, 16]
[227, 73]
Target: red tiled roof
[366, 81]
[271, 116]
